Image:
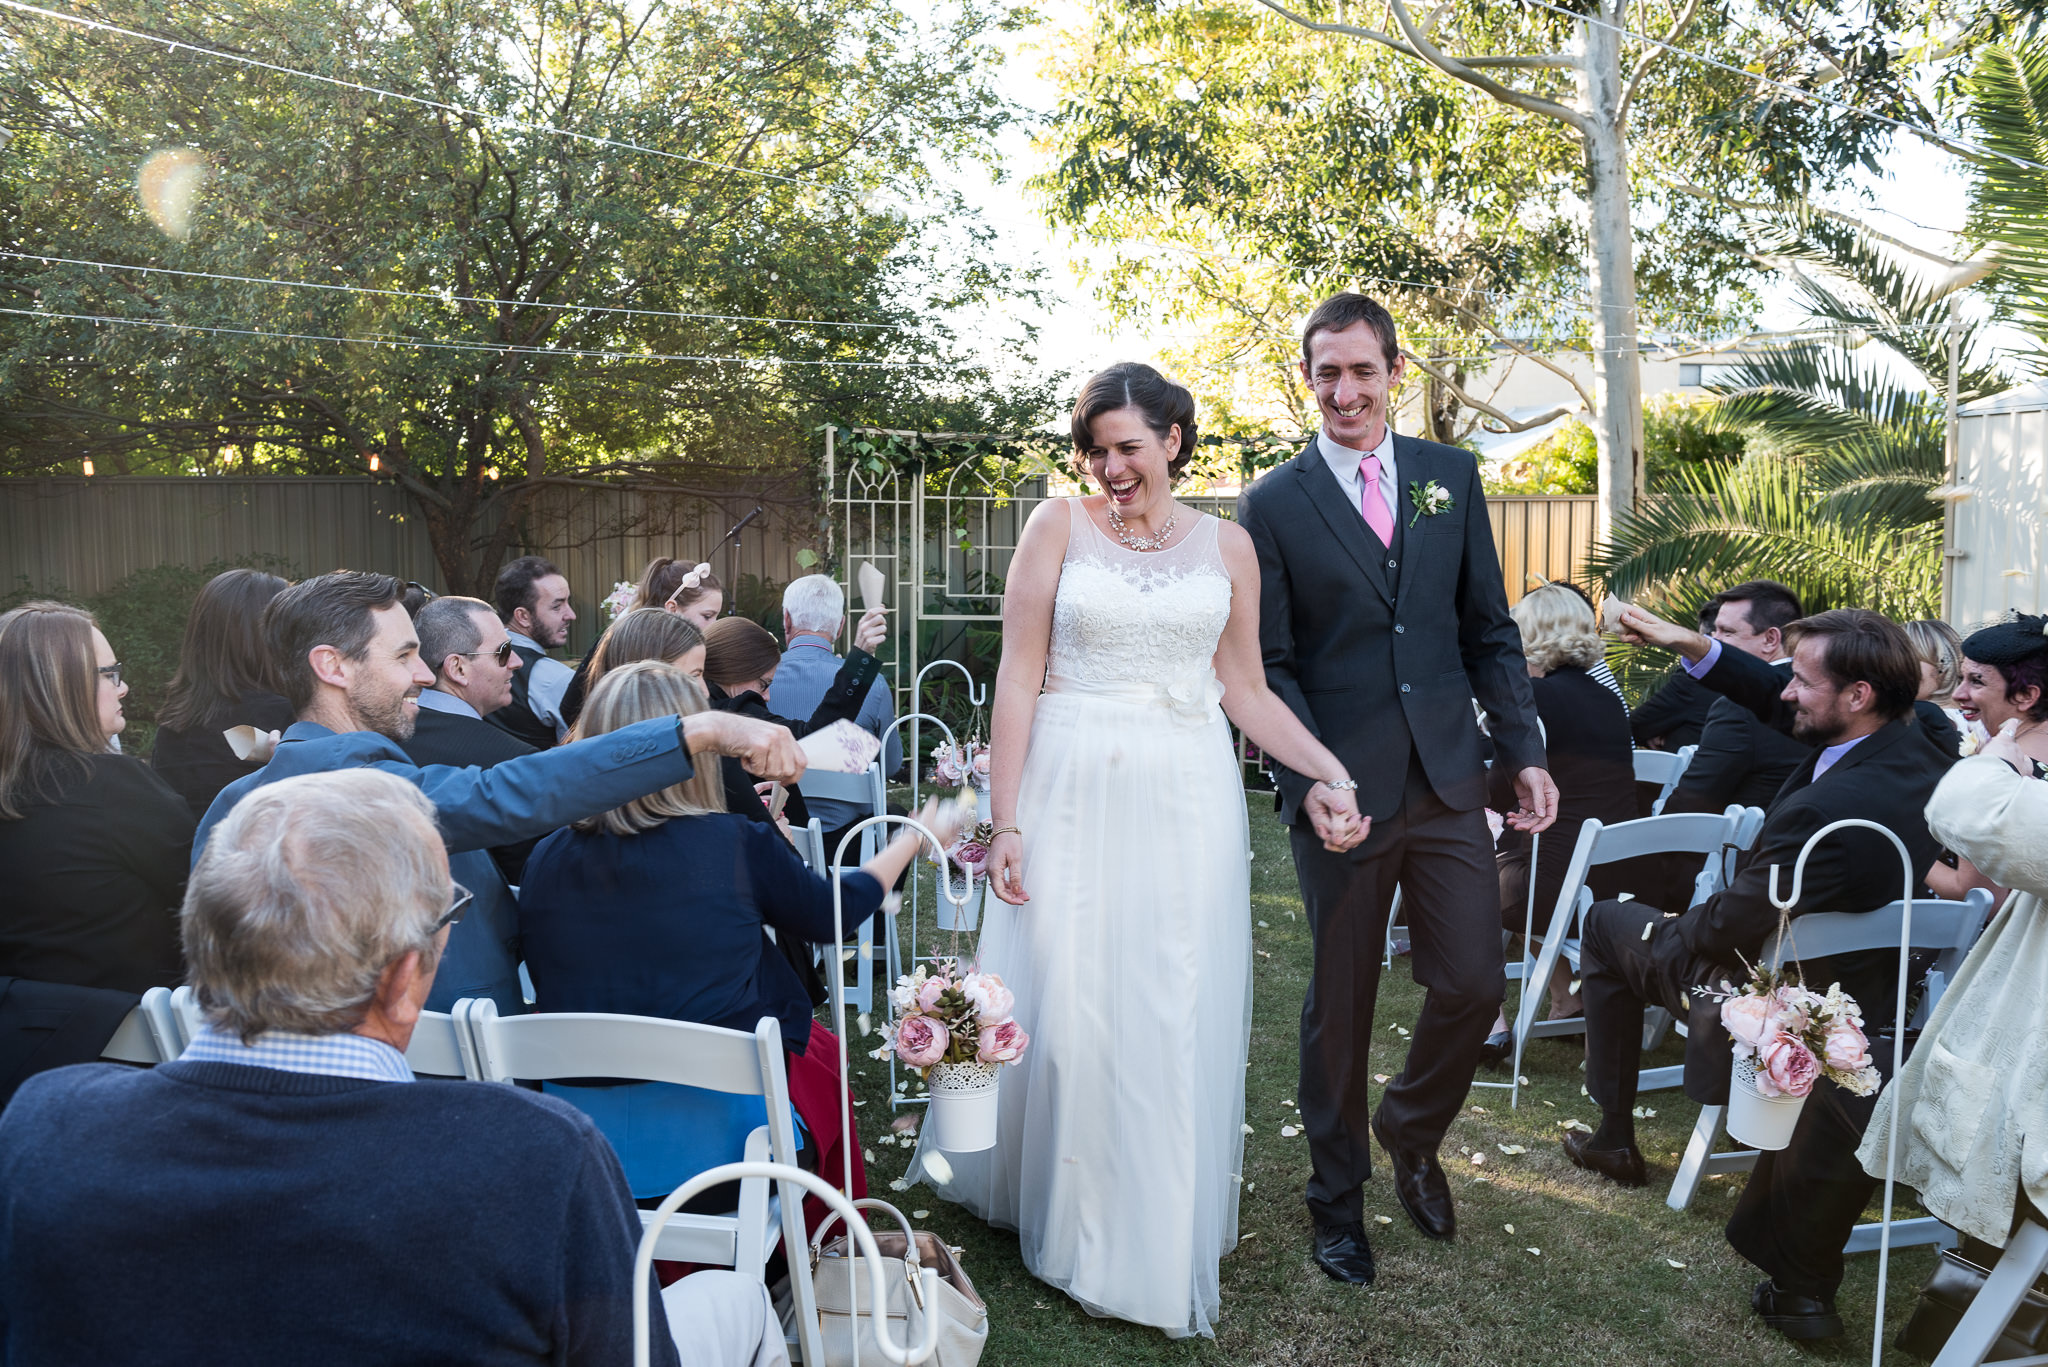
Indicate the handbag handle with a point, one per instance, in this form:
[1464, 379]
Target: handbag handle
[832, 1217]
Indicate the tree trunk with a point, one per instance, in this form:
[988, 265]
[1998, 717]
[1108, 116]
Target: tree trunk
[1617, 368]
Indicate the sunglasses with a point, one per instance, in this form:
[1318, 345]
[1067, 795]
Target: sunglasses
[428, 594]
[460, 904]
[503, 654]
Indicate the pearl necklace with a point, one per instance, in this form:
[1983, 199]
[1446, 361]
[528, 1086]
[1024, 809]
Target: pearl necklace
[1141, 543]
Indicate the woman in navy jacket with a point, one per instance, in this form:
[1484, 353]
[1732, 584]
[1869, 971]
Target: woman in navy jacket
[657, 908]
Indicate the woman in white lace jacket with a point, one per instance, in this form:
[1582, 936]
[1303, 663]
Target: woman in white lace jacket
[1975, 1127]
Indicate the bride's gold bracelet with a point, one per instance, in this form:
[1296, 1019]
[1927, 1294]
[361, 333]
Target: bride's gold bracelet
[1005, 830]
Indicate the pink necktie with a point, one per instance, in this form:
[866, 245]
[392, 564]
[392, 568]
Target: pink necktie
[1373, 503]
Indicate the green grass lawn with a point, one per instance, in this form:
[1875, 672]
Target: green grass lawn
[1603, 1289]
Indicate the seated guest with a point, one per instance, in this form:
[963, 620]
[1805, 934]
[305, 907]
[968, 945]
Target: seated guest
[741, 660]
[648, 634]
[466, 646]
[680, 589]
[95, 845]
[657, 908]
[1586, 736]
[1672, 716]
[1940, 648]
[533, 602]
[1740, 760]
[1854, 675]
[1598, 671]
[2003, 682]
[390, 1220]
[1969, 1131]
[224, 680]
[349, 661]
[813, 611]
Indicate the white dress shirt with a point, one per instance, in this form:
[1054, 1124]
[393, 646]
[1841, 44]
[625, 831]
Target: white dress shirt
[1344, 463]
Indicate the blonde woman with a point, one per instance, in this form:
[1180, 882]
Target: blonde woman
[658, 908]
[95, 844]
[1591, 757]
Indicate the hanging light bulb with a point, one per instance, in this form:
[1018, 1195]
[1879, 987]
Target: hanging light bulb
[88, 467]
[373, 464]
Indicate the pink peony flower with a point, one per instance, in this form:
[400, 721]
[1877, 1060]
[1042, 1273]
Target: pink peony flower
[921, 1041]
[928, 995]
[969, 854]
[1749, 1019]
[991, 1000]
[1786, 1067]
[1002, 1043]
[1847, 1049]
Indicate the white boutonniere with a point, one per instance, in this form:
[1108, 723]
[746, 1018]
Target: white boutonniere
[1429, 499]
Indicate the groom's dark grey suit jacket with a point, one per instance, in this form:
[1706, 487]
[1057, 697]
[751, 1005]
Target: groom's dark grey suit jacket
[1383, 663]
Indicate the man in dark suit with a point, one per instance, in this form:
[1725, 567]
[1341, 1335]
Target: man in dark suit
[1675, 713]
[1850, 697]
[1741, 760]
[1382, 616]
[533, 603]
[467, 647]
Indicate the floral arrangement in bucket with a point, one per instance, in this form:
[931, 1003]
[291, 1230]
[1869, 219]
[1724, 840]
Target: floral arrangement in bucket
[1787, 1038]
[969, 855]
[954, 1028]
[966, 763]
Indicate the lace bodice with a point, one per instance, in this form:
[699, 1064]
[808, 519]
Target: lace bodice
[1142, 617]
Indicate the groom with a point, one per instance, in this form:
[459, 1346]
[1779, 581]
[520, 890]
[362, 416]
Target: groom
[1382, 616]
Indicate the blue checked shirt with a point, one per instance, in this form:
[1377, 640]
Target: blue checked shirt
[339, 1055]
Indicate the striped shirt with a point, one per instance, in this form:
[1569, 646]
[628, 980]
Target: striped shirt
[337, 1055]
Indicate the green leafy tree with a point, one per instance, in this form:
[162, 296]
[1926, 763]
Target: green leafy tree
[784, 217]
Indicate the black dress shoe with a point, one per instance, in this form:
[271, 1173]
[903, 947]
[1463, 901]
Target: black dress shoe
[1421, 1187]
[1498, 1049]
[1342, 1252]
[1796, 1317]
[1620, 1165]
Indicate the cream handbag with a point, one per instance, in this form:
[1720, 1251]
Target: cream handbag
[843, 1300]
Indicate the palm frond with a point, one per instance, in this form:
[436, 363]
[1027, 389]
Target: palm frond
[1887, 475]
[2009, 202]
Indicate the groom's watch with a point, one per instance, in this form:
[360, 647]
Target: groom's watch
[1339, 785]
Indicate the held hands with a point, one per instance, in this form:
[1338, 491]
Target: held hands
[1006, 868]
[764, 749]
[1334, 815]
[1536, 796]
[871, 629]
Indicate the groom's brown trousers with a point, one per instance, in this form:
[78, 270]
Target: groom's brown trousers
[1443, 861]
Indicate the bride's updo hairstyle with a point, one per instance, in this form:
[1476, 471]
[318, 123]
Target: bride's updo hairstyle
[1133, 384]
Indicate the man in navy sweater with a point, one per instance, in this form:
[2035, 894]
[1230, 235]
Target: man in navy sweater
[286, 1192]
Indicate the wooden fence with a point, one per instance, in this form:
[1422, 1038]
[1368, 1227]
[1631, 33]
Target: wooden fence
[82, 536]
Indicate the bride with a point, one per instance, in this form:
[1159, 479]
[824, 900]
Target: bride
[1121, 852]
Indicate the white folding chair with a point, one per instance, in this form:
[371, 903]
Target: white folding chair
[1948, 927]
[1971, 1341]
[1713, 838]
[440, 1044]
[870, 794]
[547, 1046]
[134, 1041]
[1664, 768]
[160, 1019]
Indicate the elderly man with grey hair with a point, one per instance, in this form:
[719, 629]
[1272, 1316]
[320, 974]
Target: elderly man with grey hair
[286, 1191]
[813, 610]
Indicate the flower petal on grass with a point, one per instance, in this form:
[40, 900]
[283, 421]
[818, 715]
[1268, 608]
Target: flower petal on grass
[1379, 1078]
[920, 1215]
[1674, 1262]
[1477, 1159]
[1537, 1252]
[1383, 1219]
[1509, 1228]
[1288, 1132]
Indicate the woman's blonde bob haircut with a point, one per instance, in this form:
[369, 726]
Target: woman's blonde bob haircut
[642, 691]
[1557, 629]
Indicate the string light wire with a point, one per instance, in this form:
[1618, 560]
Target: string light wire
[491, 348]
[443, 106]
[432, 296]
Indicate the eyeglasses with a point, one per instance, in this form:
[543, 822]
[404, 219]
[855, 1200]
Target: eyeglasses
[463, 897]
[111, 673]
[503, 654]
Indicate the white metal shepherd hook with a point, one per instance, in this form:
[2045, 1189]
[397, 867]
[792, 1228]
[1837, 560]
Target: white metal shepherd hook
[1891, 1154]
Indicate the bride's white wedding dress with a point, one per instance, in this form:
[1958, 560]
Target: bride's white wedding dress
[1121, 1128]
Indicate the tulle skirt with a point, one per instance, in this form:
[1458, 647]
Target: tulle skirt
[1121, 1130]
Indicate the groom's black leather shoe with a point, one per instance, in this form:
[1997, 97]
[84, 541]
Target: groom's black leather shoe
[1342, 1252]
[1796, 1317]
[1620, 1165]
[1421, 1187]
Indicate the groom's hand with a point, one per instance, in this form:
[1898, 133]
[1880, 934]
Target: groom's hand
[1335, 818]
[1536, 796]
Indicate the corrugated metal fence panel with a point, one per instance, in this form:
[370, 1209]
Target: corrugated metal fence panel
[2003, 459]
[1548, 536]
[83, 536]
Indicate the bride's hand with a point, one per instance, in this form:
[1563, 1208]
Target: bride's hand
[1006, 868]
[1334, 815]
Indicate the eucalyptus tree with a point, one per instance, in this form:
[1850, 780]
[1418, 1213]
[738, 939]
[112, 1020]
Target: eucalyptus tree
[563, 240]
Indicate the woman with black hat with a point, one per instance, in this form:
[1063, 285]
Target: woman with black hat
[2004, 689]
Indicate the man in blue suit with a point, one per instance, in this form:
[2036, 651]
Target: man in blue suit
[350, 664]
